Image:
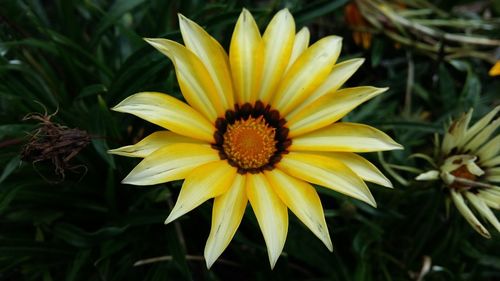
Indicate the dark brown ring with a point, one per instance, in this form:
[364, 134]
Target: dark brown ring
[243, 112]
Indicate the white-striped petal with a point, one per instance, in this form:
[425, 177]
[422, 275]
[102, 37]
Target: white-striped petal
[271, 213]
[202, 183]
[173, 162]
[246, 58]
[168, 112]
[213, 57]
[307, 73]
[278, 43]
[151, 143]
[300, 44]
[337, 77]
[362, 167]
[327, 172]
[194, 79]
[344, 136]
[303, 201]
[329, 109]
[227, 213]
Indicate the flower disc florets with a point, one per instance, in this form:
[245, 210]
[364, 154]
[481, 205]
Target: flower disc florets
[251, 137]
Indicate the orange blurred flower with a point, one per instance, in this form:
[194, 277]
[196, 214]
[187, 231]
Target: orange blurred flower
[495, 69]
[355, 20]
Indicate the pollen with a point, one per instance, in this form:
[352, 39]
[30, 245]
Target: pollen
[250, 143]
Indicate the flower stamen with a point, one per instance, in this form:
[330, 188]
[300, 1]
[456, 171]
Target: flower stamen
[250, 143]
[251, 138]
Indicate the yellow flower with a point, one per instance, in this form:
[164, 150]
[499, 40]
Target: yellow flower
[469, 164]
[260, 126]
[495, 69]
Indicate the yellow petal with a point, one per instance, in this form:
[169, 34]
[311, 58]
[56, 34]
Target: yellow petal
[362, 167]
[494, 178]
[459, 129]
[490, 198]
[213, 57]
[489, 151]
[278, 43]
[271, 213]
[151, 143]
[168, 112]
[327, 172]
[344, 136]
[304, 202]
[173, 162]
[483, 209]
[483, 136]
[495, 161]
[245, 57]
[428, 176]
[194, 80]
[307, 73]
[227, 213]
[202, 183]
[467, 213]
[330, 108]
[495, 69]
[337, 77]
[300, 44]
[479, 125]
[457, 135]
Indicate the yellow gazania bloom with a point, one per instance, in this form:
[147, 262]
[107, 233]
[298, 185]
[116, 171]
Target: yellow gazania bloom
[495, 69]
[260, 126]
[469, 165]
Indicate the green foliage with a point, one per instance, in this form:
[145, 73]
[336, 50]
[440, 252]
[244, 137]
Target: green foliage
[79, 58]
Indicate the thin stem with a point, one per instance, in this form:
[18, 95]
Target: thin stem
[409, 84]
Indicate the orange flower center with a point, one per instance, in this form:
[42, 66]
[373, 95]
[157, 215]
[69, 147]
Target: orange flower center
[250, 143]
[251, 137]
[462, 172]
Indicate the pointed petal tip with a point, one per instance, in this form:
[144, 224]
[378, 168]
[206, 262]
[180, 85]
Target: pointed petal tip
[125, 181]
[329, 246]
[157, 43]
[328, 242]
[131, 181]
[397, 146]
[382, 89]
[209, 262]
[175, 213]
[169, 219]
[116, 108]
[305, 29]
[387, 184]
[285, 10]
[149, 40]
[272, 261]
[427, 176]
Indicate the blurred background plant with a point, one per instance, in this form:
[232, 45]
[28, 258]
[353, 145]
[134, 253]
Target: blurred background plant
[65, 216]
